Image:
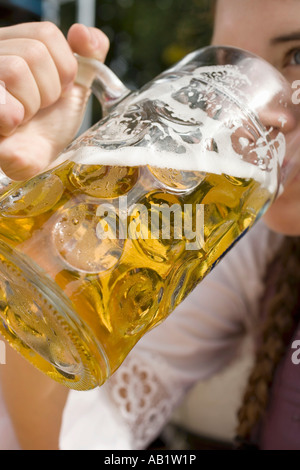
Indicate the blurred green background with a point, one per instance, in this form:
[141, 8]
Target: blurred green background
[147, 36]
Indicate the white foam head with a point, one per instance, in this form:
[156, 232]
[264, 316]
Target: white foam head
[176, 124]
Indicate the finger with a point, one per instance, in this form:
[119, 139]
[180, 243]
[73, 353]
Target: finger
[12, 113]
[31, 65]
[88, 42]
[20, 83]
[57, 45]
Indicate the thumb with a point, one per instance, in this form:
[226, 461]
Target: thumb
[88, 42]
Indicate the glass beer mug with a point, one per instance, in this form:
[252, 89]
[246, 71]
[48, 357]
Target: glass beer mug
[101, 248]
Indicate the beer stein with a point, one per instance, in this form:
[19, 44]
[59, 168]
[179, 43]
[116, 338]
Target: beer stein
[102, 247]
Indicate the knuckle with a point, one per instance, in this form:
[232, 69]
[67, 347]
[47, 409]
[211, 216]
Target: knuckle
[35, 52]
[15, 69]
[49, 34]
[49, 30]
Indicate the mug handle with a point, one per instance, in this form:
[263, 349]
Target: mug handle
[106, 86]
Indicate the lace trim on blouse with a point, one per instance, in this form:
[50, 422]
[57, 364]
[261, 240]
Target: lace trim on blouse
[145, 399]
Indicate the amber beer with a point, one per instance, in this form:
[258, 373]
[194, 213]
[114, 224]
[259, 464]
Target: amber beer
[75, 303]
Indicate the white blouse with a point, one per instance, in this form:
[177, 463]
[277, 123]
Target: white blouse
[199, 339]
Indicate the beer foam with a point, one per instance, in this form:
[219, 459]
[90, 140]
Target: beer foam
[173, 124]
[198, 161]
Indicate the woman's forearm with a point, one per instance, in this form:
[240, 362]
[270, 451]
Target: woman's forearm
[35, 403]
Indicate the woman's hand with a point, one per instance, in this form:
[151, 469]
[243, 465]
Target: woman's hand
[43, 107]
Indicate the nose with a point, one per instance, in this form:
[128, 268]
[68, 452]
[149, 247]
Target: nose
[283, 117]
[270, 96]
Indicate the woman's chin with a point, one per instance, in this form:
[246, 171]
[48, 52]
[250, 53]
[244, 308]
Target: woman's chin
[284, 214]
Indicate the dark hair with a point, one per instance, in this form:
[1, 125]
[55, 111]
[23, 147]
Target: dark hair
[282, 307]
